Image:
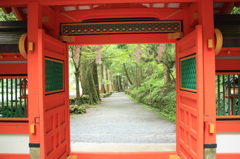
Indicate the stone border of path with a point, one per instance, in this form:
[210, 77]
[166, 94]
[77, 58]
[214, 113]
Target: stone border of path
[113, 147]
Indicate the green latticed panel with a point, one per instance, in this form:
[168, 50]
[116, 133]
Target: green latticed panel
[188, 73]
[54, 75]
[124, 27]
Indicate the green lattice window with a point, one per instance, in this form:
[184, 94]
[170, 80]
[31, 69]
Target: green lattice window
[124, 27]
[54, 75]
[188, 73]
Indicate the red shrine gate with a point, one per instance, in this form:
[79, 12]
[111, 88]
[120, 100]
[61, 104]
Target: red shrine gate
[188, 23]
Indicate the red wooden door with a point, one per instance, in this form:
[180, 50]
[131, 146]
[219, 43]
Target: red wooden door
[54, 110]
[189, 61]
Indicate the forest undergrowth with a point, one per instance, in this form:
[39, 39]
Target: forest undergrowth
[160, 99]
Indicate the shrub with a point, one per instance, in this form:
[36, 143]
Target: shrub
[162, 98]
[84, 100]
[105, 95]
[13, 111]
[74, 109]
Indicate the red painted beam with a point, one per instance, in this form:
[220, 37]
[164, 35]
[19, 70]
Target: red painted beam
[193, 19]
[229, 51]
[13, 69]
[11, 57]
[222, 61]
[7, 10]
[226, 1]
[12, 155]
[161, 14]
[11, 3]
[70, 2]
[237, 4]
[121, 39]
[124, 155]
[228, 126]
[49, 18]
[228, 155]
[227, 8]
[19, 67]
[19, 13]
[13, 128]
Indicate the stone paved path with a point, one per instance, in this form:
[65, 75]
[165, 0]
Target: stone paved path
[120, 120]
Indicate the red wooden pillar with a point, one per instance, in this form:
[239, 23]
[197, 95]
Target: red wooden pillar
[48, 101]
[34, 23]
[205, 14]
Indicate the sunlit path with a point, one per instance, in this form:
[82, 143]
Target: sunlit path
[120, 120]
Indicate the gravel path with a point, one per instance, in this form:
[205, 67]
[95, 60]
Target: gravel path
[120, 120]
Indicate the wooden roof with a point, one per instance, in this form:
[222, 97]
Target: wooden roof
[21, 11]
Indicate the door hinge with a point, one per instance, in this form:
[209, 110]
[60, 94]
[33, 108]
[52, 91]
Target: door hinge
[174, 157]
[36, 120]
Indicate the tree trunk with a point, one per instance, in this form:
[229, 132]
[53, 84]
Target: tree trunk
[88, 84]
[141, 73]
[137, 77]
[77, 75]
[125, 84]
[95, 78]
[106, 78]
[101, 79]
[77, 80]
[84, 71]
[111, 83]
[126, 72]
[167, 78]
[116, 83]
[120, 83]
[93, 92]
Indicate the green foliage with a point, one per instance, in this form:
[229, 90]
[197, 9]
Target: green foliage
[162, 98]
[14, 111]
[147, 76]
[153, 91]
[84, 100]
[74, 109]
[105, 95]
[235, 10]
[145, 80]
[82, 71]
[7, 17]
[116, 55]
[106, 81]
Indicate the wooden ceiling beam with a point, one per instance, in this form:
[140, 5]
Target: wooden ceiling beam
[215, 1]
[161, 14]
[70, 2]
[13, 3]
[166, 5]
[227, 8]
[76, 7]
[237, 4]
[23, 3]
[120, 39]
[7, 10]
[19, 13]
[49, 18]
[193, 15]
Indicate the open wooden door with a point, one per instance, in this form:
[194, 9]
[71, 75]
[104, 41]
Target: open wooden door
[54, 113]
[189, 61]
